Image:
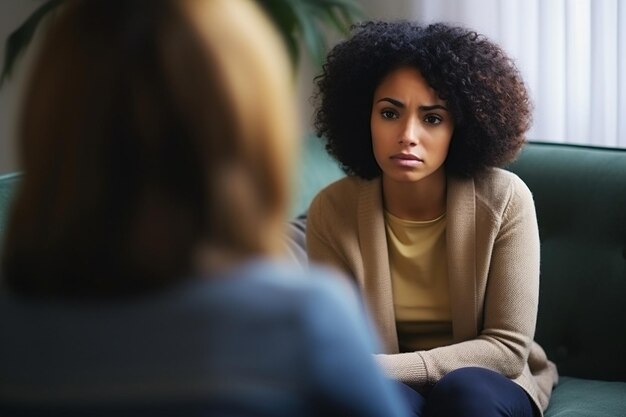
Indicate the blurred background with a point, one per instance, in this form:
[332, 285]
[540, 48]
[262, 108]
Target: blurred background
[572, 54]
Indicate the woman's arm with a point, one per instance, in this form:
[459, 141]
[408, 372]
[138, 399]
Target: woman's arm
[321, 222]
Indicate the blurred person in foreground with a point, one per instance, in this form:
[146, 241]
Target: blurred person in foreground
[142, 270]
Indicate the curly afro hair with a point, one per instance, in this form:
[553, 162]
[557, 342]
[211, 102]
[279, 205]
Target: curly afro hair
[481, 85]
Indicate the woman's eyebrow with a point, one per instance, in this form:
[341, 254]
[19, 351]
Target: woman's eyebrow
[392, 101]
[400, 104]
[433, 107]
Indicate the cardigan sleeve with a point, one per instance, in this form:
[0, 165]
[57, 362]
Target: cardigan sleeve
[321, 245]
[510, 305]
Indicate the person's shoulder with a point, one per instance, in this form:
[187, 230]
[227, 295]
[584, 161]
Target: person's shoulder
[340, 196]
[497, 179]
[303, 294]
[292, 281]
[497, 187]
[347, 185]
[322, 283]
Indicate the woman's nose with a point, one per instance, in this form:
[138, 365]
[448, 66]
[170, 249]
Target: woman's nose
[410, 133]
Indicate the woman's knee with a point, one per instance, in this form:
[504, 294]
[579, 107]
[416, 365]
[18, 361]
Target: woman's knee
[466, 384]
[476, 392]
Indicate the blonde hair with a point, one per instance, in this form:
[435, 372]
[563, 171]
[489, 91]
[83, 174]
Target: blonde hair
[150, 128]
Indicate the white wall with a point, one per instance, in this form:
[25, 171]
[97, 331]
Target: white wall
[389, 9]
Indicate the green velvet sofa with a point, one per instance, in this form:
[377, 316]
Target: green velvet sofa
[580, 195]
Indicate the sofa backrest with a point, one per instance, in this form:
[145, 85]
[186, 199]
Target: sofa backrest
[580, 196]
[315, 170]
[8, 182]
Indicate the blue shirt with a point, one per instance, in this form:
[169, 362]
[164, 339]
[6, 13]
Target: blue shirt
[262, 339]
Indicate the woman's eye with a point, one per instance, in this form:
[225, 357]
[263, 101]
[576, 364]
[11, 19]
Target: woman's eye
[433, 119]
[389, 114]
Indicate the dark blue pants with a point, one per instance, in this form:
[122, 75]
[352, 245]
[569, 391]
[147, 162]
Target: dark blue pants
[471, 392]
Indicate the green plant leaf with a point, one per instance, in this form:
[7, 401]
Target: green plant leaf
[18, 41]
[311, 34]
[285, 21]
[305, 23]
[302, 23]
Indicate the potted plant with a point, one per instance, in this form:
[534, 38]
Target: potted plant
[302, 23]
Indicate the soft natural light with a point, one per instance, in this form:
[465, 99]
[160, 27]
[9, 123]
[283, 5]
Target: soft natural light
[572, 54]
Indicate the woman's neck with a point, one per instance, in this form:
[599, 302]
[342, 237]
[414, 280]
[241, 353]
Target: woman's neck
[421, 200]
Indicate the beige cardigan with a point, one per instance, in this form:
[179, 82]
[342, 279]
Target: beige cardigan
[493, 270]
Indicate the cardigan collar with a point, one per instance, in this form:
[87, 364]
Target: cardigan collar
[461, 248]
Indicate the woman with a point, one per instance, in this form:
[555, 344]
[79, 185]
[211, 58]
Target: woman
[443, 244]
[142, 266]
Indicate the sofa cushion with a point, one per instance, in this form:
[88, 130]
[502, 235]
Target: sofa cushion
[575, 397]
[580, 195]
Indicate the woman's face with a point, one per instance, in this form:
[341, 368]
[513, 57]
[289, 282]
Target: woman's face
[411, 127]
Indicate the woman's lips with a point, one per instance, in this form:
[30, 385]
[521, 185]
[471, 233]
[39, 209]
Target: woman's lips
[407, 159]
